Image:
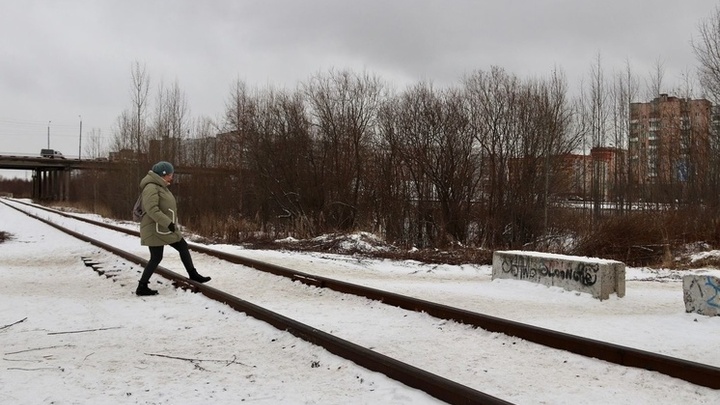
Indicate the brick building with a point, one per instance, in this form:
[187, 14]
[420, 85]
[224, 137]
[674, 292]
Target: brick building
[668, 144]
[580, 175]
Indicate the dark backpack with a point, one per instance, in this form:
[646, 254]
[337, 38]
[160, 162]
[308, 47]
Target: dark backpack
[138, 211]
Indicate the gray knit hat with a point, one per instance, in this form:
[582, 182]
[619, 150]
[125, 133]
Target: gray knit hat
[162, 168]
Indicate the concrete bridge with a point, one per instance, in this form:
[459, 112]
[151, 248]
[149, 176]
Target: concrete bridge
[51, 175]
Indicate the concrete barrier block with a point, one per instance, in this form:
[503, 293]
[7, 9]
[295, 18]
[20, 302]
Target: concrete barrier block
[702, 294]
[599, 277]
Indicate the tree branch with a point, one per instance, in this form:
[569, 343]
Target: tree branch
[231, 361]
[36, 369]
[82, 331]
[38, 348]
[14, 323]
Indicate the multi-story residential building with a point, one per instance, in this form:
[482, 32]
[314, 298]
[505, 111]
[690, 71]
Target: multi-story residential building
[668, 145]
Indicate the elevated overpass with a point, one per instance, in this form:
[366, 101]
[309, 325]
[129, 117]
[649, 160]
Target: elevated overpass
[51, 175]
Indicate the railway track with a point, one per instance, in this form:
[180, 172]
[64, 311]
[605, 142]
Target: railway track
[436, 386]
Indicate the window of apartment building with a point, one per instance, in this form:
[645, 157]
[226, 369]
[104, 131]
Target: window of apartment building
[633, 142]
[654, 124]
[652, 166]
[652, 160]
[653, 138]
[684, 143]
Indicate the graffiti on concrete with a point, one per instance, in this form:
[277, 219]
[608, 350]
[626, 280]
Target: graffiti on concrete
[520, 268]
[713, 301]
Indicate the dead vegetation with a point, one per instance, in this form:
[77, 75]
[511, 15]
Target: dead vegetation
[651, 239]
[654, 239]
[667, 239]
[368, 245]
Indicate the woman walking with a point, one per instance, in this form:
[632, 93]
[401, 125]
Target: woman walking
[158, 226]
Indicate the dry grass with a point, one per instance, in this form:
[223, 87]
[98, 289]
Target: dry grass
[79, 207]
[454, 256]
[4, 236]
[648, 238]
[654, 239]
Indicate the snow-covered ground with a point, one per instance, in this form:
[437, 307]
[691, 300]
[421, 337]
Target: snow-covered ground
[69, 336]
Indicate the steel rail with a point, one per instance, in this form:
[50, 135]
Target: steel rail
[693, 372]
[432, 384]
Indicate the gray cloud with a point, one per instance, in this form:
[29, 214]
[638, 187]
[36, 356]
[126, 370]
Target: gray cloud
[68, 58]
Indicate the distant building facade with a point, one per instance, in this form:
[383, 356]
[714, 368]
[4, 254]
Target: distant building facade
[584, 176]
[668, 143]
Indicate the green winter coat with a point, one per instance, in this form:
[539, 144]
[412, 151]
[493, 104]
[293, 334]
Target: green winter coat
[160, 210]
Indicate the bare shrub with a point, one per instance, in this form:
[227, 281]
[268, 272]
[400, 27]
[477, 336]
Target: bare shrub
[224, 229]
[455, 255]
[635, 239]
[236, 229]
[711, 262]
[647, 238]
[562, 235]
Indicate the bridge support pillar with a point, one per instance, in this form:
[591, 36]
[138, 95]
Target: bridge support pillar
[51, 184]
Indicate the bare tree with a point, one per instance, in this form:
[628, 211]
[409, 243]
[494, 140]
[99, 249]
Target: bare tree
[558, 136]
[129, 141]
[623, 92]
[139, 96]
[524, 129]
[432, 142]
[688, 84]
[283, 163]
[123, 137]
[240, 123]
[240, 111]
[200, 151]
[655, 81]
[171, 123]
[598, 108]
[391, 179]
[707, 52]
[492, 111]
[95, 145]
[344, 107]
[599, 111]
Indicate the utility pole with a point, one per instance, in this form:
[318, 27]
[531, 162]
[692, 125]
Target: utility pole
[49, 134]
[80, 140]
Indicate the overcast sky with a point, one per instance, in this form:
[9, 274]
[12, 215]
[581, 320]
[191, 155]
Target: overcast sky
[71, 58]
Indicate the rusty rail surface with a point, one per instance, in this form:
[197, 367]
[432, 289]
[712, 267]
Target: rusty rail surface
[693, 372]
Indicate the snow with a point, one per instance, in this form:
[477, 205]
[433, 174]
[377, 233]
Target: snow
[544, 255]
[70, 336]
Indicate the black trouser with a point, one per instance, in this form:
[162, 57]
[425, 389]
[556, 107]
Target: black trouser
[156, 256]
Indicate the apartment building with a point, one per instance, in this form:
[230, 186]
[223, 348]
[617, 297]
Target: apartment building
[668, 144]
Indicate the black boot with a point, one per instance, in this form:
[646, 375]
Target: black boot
[194, 276]
[143, 289]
